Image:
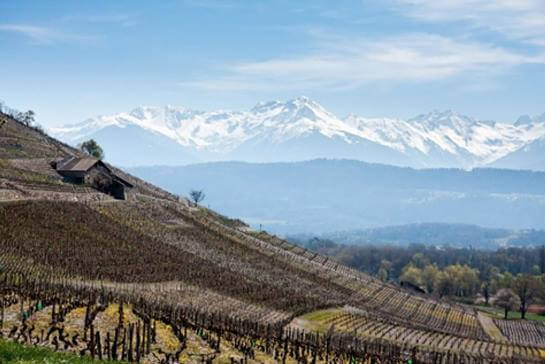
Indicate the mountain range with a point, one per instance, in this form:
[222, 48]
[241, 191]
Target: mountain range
[323, 196]
[301, 129]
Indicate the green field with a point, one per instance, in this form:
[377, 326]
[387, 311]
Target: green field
[513, 315]
[14, 353]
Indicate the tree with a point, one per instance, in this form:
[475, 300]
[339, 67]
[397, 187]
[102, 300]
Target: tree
[420, 260]
[429, 276]
[485, 289]
[525, 286]
[384, 270]
[92, 148]
[542, 259]
[412, 274]
[444, 284]
[196, 196]
[506, 299]
[27, 118]
[540, 281]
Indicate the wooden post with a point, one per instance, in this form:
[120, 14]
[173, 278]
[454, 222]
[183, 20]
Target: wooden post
[2, 315]
[124, 347]
[99, 345]
[137, 344]
[92, 342]
[22, 309]
[131, 332]
[121, 316]
[154, 332]
[148, 341]
[115, 343]
[108, 346]
[143, 340]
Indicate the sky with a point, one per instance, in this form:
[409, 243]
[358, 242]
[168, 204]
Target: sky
[69, 60]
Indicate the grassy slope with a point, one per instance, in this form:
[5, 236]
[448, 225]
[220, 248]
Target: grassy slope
[14, 353]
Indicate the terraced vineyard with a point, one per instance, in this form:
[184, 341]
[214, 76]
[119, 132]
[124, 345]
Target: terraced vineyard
[523, 332]
[154, 279]
[363, 324]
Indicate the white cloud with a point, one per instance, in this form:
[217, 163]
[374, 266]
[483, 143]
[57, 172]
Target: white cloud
[343, 64]
[516, 19]
[42, 35]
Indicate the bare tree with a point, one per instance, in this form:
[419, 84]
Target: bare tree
[525, 286]
[196, 196]
[506, 299]
[485, 290]
[27, 118]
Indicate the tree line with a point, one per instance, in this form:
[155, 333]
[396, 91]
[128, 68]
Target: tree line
[510, 278]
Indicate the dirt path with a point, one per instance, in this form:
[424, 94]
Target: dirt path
[490, 327]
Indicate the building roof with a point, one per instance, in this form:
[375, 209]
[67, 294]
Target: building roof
[122, 181]
[82, 165]
[74, 164]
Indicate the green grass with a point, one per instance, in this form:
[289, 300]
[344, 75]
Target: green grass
[513, 315]
[14, 353]
[320, 315]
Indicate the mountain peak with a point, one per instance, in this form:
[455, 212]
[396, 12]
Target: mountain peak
[264, 106]
[525, 120]
[145, 112]
[303, 101]
[304, 107]
[434, 139]
[295, 109]
[448, 118]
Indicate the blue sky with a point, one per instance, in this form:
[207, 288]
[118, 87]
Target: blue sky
[69, 60]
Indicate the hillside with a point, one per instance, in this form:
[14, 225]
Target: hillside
[301, 129]
[154, 278]
[321, 196]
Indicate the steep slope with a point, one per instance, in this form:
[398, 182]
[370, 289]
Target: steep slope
[19, 141]
[154, 266]
[531, 156]
[301, 129]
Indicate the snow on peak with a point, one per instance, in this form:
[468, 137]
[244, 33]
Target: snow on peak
[437, 138]
[298, 108]
[145, 112]
[527, 120]
[448, 118]
[265, 106]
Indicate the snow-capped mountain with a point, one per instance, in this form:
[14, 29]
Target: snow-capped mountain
[448, 139]
[301, 129]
